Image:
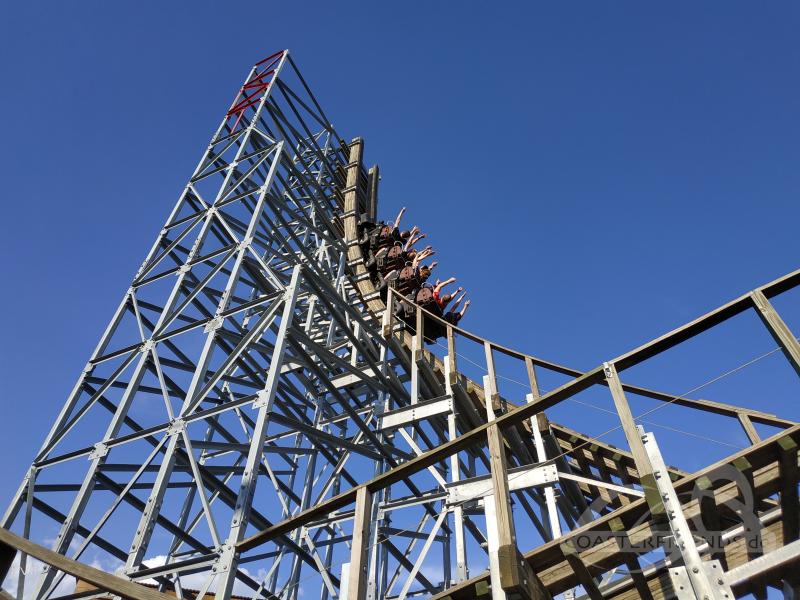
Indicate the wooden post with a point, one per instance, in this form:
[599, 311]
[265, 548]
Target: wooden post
[419, 343]
[492, 396]
[452, 375]
[747, 425]
[534, 381]
[374, 177]
[634, 440]
[514, 574]
[497, 456]
[357, 578]
[779, 330]
[790, 504]
[581, 571]
[388, 315]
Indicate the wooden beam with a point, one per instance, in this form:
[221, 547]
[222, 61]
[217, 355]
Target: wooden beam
[704, 322]
[709, 513]
[777, 328]
[632, 563]
[497, 458]
[99, 579]
[534, 381]
[420, 330]
[749, 430]
[452, 373]
[638, 451]
[374, 177]
[516, 577]
[581, 572]
[358, 577]
[491, 392]
[790, 505]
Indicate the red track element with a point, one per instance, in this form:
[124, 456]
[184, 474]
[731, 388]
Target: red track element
[253, 89]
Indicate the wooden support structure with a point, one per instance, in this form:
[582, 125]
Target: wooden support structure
[491, 390]
[632, 564]
[357, 575]
[516, 578]
[643, 466]
[749, 429]
[777, 328]
[790, 504]
[581, 572]
[532, 378]
[452, 358]
[374, 177]
[11, 543]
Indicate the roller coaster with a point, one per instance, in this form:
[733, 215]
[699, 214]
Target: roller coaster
[265, 417]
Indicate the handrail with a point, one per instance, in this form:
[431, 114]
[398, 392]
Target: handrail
[720, 408]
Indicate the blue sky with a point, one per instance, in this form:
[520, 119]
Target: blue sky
[594, 173]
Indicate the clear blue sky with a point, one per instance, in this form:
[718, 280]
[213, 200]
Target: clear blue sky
[595, 173]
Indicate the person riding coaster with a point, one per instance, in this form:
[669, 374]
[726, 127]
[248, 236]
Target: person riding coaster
[385, 234]
[393, 262]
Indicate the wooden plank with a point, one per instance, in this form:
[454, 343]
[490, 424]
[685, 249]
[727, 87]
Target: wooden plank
[419, 338]
[358, 575]
[490, 391]
[581, 572]
[777, 328]
[790, 505]
[451, 356]
[709, 513]
[499, 467]
[374, 177]
[634, 440]
[99, 579]
[534, 381]
[749, 430]
[634, 568]
[388, 315]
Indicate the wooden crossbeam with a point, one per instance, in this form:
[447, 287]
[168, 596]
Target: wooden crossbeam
[556, 573]
[12, 543]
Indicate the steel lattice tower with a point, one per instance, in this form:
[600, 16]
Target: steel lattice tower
[256, 422]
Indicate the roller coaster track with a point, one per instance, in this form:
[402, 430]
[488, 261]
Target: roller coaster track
[557, 564]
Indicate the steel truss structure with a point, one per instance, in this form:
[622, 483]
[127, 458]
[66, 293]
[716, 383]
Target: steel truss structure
[255, 422]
